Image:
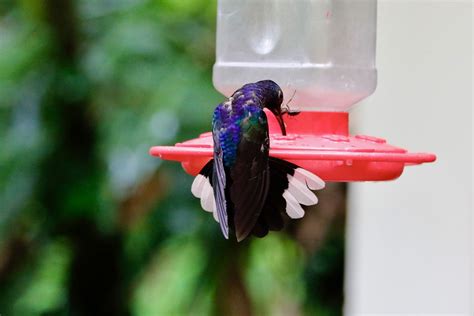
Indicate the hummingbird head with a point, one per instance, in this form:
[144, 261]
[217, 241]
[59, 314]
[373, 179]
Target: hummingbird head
[272, 100]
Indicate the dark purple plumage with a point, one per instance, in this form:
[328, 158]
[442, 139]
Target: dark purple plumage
[247, 102]
[245, 189]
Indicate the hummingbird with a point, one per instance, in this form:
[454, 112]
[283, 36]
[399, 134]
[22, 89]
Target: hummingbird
[248, 191]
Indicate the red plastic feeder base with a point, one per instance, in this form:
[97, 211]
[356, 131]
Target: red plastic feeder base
[316, 141]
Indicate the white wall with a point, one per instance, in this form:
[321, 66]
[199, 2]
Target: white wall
[409, 241]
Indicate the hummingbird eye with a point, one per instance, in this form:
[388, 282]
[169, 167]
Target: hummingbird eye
[280, 96]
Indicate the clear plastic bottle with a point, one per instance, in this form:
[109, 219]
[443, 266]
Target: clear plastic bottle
[322, 51]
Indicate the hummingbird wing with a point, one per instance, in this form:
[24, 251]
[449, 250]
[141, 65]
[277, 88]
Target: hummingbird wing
[249, 174]
[219, 178]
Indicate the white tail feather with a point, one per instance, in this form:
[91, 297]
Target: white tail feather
[198, 185]
[312, 181]
[207, 198]
[293, 208]
[202, 189]
[301, 192]
[214, 214]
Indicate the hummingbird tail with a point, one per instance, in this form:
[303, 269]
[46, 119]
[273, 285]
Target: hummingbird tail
[202, 189]
[291, 188]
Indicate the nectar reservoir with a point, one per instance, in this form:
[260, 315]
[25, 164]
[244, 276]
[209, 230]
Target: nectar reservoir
[320, 51]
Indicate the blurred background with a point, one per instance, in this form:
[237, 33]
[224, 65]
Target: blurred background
[90, 224]
[410, 245]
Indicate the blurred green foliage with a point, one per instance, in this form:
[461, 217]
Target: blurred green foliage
[89, 222]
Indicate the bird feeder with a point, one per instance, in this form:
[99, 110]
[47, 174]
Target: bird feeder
[322, 54]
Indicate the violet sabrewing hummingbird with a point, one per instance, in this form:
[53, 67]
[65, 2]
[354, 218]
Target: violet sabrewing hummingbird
[248, 191]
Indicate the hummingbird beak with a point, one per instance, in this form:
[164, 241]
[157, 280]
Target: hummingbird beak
[279, 117]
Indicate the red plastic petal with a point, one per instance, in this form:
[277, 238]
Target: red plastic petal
[318, 142]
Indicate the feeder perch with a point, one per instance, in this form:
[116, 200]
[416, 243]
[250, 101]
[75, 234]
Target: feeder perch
[323, 54]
